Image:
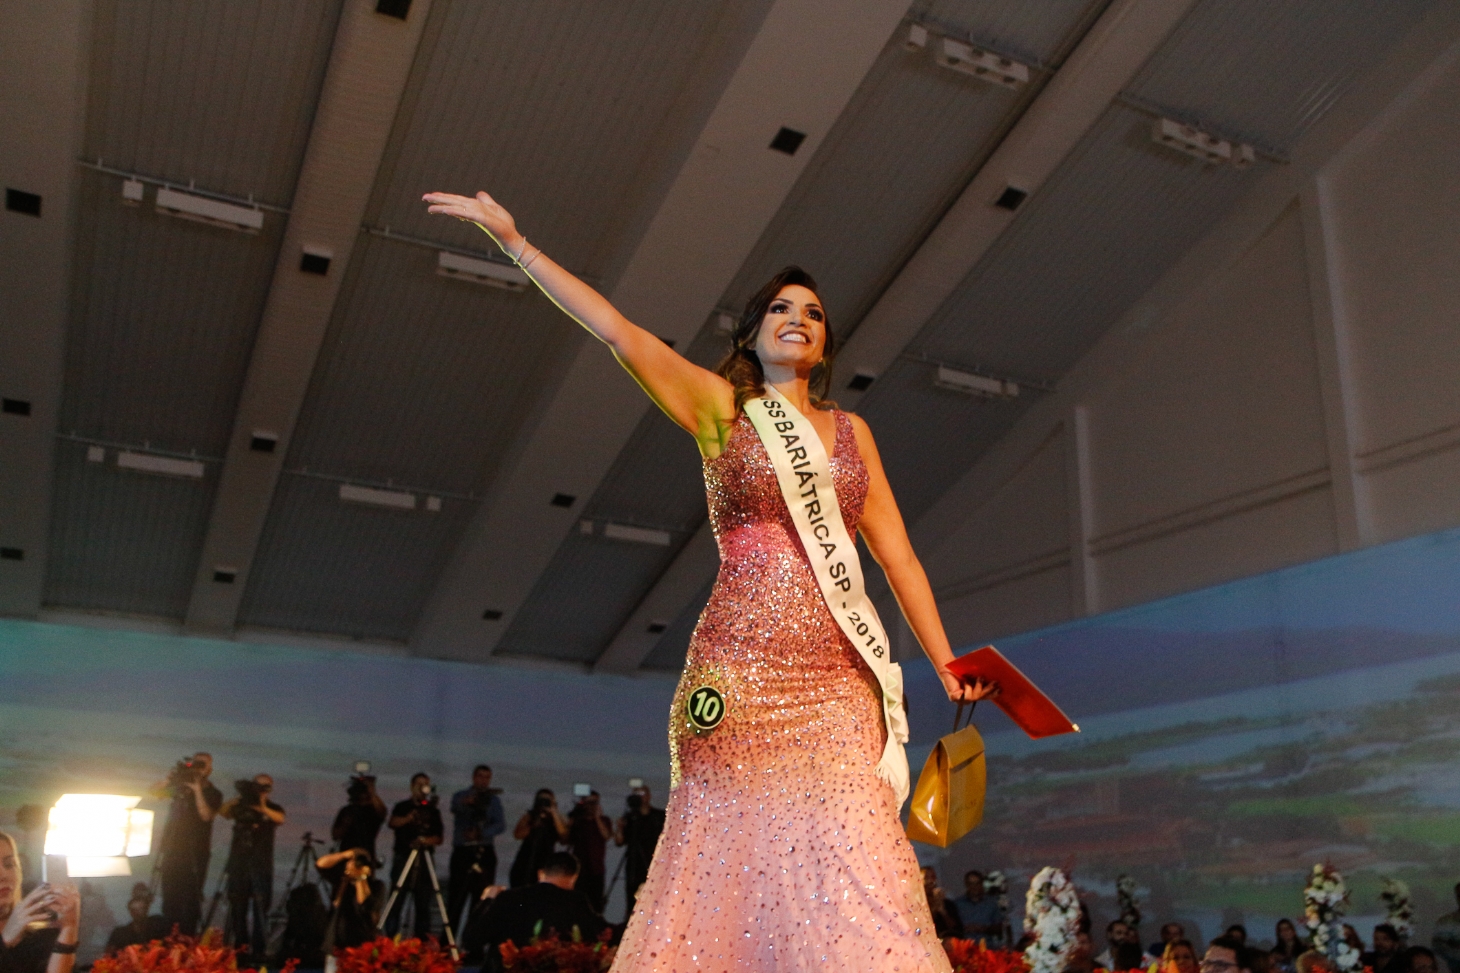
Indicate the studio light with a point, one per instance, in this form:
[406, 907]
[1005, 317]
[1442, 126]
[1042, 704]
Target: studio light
[98, 833]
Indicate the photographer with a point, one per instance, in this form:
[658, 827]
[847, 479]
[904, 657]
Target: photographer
[187, 839]
[589, 831]
[539, 830]
[477, 819]
[356, 897]
[357, 825]
[549, 906]
[417, 825]
[142, 928]
[38, 933]
[637, 832]
[251, 860]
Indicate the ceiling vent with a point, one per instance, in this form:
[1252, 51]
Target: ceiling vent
[980, 386]
[477, 271]
[984, 65]
[214, 212]
[1201, 145]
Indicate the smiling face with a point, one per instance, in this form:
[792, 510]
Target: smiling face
[793, 332]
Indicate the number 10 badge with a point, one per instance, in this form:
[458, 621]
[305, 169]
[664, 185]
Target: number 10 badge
[706, 708]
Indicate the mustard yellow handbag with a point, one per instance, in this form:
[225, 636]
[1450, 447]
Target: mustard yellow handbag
[948, 801]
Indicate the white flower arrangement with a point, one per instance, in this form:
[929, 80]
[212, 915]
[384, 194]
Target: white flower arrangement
[1125, 896]
[1395, 896]
[1052, 914]
[1325, 900]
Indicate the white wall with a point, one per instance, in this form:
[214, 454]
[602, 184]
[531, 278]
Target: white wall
[1290, 390]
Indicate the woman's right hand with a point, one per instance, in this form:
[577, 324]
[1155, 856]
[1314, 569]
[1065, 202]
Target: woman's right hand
[482, 210]
[35, 907]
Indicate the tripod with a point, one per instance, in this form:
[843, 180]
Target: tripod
[213, 904]
[407, 874]
[278, 918]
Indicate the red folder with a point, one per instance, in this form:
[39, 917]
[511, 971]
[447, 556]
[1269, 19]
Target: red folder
[1033, 712]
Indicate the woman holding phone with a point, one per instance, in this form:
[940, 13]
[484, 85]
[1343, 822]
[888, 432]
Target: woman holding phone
[38, 933]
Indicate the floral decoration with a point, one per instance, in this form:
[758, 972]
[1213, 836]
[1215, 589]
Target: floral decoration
[1395, 896]
[178, 954]
[972, 956]
[386, 955]
[996, 883]
[1052, 914]
[549, 954]
[1326, 900]
[1125, 896]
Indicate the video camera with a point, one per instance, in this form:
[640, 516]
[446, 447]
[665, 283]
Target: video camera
[635, 800]
[184, 772]
[431, 798]
[249, 792]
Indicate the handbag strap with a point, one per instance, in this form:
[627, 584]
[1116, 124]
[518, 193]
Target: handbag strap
[958, 717]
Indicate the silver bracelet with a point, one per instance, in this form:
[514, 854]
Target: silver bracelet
[518, 259]
[536, 252]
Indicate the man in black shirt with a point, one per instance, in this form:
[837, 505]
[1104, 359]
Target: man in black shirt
[550, 906]
[251, 860]
[143, 928]
[187, 840]
[417, 824]
[358, 823]
[637, 832]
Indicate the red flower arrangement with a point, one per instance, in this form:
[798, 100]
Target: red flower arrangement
[972, 956]
[386, 955]
[552, 955]
[179, 954]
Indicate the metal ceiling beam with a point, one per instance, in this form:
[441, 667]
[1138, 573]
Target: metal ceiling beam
[43, 70]
[369, 64]
[1104, 62]
[802, 68]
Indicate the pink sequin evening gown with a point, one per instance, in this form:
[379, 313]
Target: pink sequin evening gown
[782, 848]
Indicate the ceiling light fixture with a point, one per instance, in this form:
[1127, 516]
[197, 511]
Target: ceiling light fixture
[981, 64]
[1202, 145]
[477, 271]
[394, 499]
[162, 465]
[637, 535]
[917, 38]
[980, 386]
[214, 212]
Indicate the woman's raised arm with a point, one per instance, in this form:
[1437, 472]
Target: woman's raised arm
[695, 398]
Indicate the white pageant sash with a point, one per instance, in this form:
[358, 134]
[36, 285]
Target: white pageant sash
[804, 474]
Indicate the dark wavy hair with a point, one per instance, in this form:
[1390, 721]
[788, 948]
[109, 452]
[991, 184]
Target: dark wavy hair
[742, 368]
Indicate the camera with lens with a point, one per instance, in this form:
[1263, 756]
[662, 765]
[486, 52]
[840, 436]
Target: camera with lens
[635, 803]
[249, 791]
[184, 772]
[430, 798]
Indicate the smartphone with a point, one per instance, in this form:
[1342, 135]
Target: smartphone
[582, 790]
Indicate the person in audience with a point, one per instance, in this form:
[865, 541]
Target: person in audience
[1313, 961]
[1081, 958]
[637, 833]
[1351, 936]
[1417, 959]
[551, 906]
[589, 831]
[945, 918]
[1387, 955]
[1446, 939]
[1117, 934]
[356, 898]
[1287, 946]
[978, 912]
[187, 839]
[1170, 932]
[251, 861]
[358, 823]
[539, 829]
[1238, 932]
[418, 827]
[1179, 956]
[142, 928]
[38, 933]
[477, 820]
[1225, 954]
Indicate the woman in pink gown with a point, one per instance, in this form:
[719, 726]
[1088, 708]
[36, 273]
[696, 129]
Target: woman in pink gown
[782, 848]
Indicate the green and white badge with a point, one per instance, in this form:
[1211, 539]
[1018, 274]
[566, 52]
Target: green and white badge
[706, 708]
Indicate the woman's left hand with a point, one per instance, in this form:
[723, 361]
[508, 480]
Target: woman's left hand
[66, 902]
[962, 692]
